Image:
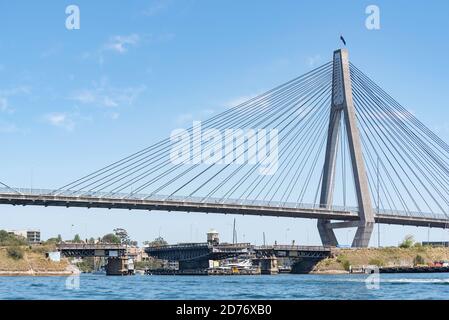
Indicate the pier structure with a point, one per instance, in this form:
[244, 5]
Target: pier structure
[191, 256]
[201, 256]
[115, 254]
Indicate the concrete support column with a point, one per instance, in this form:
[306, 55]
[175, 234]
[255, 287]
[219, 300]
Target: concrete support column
[327, 234]
[116, 266]
[342, 104]
[363, 235]
[269, 265]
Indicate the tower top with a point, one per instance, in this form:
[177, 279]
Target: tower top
[342, 51]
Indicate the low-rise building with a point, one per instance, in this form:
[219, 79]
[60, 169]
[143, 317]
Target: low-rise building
[138, 254]
[32, 236]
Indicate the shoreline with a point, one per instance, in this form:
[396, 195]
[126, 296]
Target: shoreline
[330, 272]
[70, 270]
[35, 274]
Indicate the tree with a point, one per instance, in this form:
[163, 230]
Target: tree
[77, 238]
[408, 242]
[7, 239]
[111, 238]
[54, 240]
[122, 234]
[158, 242]
[91, 240]
[418, 260]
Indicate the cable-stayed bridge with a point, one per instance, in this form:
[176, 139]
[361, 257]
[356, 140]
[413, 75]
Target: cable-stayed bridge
[329, 145]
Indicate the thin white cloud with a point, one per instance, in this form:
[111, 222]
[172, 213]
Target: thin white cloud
[239, 100]
[6, 94]
[15, 91]
[117, 44]
[84, 96]
[61, 120]
[114, 115]
[6, 127]
[106, 96]
[3, 104]
[156, 7]
[188, 118]
[121, 44]
[109, 102]
[184, 119]
[52, 51]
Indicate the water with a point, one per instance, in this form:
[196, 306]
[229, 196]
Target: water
[392, 286]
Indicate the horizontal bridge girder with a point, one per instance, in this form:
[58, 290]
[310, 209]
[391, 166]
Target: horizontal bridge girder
[174, 205]
[211, 207]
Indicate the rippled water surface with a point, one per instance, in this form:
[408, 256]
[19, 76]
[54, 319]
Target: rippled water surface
[391, 286]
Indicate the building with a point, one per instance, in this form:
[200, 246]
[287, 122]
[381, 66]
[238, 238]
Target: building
[213, 237]
[32, 236]
[137, 254]
[436, 243]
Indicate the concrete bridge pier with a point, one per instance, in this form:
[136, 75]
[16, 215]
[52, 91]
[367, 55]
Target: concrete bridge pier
[269, 265]
[118, 266]
[363, 235]
[327, 234]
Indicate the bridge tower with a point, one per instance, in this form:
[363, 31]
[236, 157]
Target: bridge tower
[343, 106]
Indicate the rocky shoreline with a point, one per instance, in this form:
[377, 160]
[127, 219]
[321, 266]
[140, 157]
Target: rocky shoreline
[344, 260]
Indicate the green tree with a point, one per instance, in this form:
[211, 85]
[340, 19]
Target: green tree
[408, 242]
[77, 238]
[52, 241]
[7, 239]
[111, 238]
[158, 242]
[122, 234]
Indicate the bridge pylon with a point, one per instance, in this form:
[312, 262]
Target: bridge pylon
[343, 106]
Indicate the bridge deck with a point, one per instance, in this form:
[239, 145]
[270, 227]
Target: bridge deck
[91, 250]
[90, 246]
[69, 199]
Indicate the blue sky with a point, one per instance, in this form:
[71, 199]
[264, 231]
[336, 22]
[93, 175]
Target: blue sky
[73, 101]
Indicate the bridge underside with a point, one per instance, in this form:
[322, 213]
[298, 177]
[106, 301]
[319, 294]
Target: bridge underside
[91, 250]
[196, 255]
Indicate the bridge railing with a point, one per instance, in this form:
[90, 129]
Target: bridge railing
[127, 196]
[292, 248]
[180, 246]
[177, 246]
[90, 246]
[202, 200]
